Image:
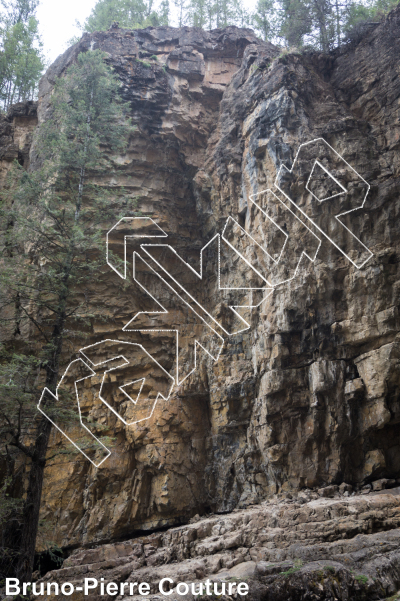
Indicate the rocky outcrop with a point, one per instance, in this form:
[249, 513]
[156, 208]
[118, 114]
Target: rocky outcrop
[308, 396]
[290, 550]
[16, 129]
[158, 472]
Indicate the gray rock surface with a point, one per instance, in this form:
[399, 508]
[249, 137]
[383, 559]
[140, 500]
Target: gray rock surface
[325, 549]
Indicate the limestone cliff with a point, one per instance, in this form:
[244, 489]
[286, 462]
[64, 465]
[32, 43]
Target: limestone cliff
[309, 395]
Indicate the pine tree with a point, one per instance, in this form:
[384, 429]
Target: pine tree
[311, 23]
[295, 21]
[358, 15]
[131, 14]
[241, 15]
[163, 12]
[322, 24]
[197, 13]
[209, 14]
[263, 19]
[21, 59]
[182, 11]
[51, 216]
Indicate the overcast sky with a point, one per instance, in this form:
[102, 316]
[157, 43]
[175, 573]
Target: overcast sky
[57, 23]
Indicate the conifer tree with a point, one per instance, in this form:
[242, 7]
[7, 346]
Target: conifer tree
[209, 14]
[131, 14]
[53, 247]
[241, 15]
[321, 24]
[21, 58]
[198, 13]
[263, 19]
[163, 13]
[181, 8]
[295, 21]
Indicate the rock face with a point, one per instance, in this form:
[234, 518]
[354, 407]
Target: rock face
[16, 130]
[308, 395]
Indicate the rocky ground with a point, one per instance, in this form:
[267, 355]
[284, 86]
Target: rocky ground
[330, 544]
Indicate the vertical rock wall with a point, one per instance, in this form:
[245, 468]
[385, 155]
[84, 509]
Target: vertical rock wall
[309, 394]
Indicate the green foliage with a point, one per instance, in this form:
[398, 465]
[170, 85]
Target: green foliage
[316, 24]
[210, 14]
[361, 578]
[243, 16]
[199, 13]
[181, 9]
[54, 243]
[163, 12]
[144, 63]
[298, 564]
[21, 58]
[17, 395]
[131, 14]
[313, 23]
[53, 248]
[264, 19]
[56, 211]
[360, 14]
[134, 14]
[19, 389]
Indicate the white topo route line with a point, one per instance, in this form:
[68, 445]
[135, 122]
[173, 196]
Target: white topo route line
[350, 187]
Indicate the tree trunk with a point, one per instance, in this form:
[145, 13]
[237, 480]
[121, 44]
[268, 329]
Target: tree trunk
[31, 511]
[338, 33]
[30, 523]
[32, 504]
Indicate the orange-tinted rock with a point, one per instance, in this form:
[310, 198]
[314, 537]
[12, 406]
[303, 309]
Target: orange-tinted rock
[309, 395]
